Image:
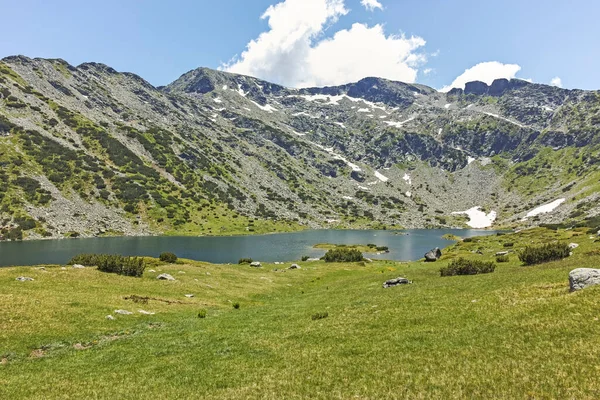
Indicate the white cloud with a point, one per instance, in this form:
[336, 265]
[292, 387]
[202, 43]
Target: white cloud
[371, 5]
[556, 81]
[485, 72]
[427, 71]
[294, 53]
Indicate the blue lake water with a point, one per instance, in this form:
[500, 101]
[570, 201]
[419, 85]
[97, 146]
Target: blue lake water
[403, 245]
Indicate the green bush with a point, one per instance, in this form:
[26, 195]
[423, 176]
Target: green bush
[462, 266]
[468, 240]
[548, 252]
[508, 244]
[343, 255]
[320, 315]
[202, 313]
[236, 306]
[168, 257]
[305, 258]
[502, 259]
[116, 264]
[245, 261]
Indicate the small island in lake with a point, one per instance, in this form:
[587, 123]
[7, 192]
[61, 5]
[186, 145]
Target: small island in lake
[363, 248]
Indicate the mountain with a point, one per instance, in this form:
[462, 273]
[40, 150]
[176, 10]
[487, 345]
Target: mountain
[89, 151]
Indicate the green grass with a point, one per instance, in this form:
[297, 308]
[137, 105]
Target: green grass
[516, 333]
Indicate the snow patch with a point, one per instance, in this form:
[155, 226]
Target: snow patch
[398, 124]
[546, 208]
[363, 110]
[268, 108]
[447, 106]
[470, 159]
[381, 177]
[477, 218]
[406, 177]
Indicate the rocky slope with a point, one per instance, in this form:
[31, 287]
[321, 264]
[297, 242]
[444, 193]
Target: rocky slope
[88, 151]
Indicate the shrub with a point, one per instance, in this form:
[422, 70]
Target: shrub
[245, 261]
[502, 259]
[382, 248]
[467, 240]
[548, 252]
[202, 313]
[168, 257]
[462, 266]
[236, 305]
[343, 255]
[305, 258]
[508, 244]
[320, 315]
[116, 264]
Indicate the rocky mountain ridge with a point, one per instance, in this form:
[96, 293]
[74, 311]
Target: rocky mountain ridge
[88, 151]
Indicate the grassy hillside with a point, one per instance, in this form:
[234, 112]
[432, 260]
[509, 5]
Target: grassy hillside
[514, 333]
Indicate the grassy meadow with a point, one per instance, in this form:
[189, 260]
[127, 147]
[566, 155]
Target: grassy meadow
[515, 333]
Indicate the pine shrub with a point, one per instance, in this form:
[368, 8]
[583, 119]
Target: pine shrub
[343, 255]
[112, 263]
[502, 259]
[548, 252]
[462, 266]
[168, 257]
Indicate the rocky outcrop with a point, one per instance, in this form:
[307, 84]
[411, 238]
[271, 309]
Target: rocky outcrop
[433, 255]
[582, 278]
[165, 277]
[395, 282]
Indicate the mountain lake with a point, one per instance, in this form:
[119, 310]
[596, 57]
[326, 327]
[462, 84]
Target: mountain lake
[403, 245]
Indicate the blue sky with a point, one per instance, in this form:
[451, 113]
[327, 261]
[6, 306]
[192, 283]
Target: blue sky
[318, 42]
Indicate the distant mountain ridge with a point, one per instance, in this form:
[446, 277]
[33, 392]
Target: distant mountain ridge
[88, 151]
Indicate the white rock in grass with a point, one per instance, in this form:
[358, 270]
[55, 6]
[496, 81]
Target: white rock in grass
[110, 318]
[581, 278]
[78, 266]
[145, 312]
[189, 296]
[24, 279]
[165, 277]
[294, 266]
[123, 312]
[255, 264]
[573, 245]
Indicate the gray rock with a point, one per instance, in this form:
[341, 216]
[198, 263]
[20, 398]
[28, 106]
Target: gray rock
[123, 312]
[151, 270]
[145, 312]
[573, 245]
[110, 318]
[78, 266]
[294, 266]
[189, 296]
[24, 279]
[433, 255]
[165, 277]
[396, 282]
[255, 264]
[502, 253]
[581, 278]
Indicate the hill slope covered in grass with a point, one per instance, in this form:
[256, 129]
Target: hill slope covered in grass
[513, 333]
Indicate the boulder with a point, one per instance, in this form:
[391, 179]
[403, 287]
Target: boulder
[581, 278]
[573, 245]
[358, 176]
[165, 277]
[24, 279]
[110, 318]
[294, 266]
[502, 253]
[255, 264]
[189, 296]
[433, 255]
[123, 312]
[396, 282]
[78, 266]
